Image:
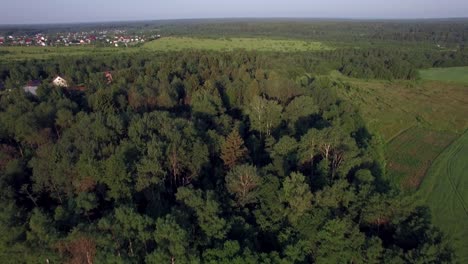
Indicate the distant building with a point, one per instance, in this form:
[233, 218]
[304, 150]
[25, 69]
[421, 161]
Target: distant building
[77, 88]
[108, 76]
[60, 82]
[32, 86]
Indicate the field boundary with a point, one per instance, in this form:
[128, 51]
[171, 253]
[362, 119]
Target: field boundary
[399, 134]
[452, 184]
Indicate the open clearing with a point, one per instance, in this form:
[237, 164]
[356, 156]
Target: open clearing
[393, 107]
[445, 191]
[227, 44]
[411, 154]
[25, 53]
[420, 123]
[166, 44]
[452, 74]
[417, 121]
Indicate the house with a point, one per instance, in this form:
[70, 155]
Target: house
[108, 76]
[31, 87]
[60, 82]
[77, 88]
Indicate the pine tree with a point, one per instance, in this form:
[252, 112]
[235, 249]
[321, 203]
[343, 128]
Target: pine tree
[233, 150]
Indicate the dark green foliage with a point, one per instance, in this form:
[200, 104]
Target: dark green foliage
[134, 171]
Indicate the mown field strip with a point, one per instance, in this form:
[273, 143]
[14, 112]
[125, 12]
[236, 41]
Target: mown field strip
[445, 191]
[451, 74]
[228, 44]
[411, 154]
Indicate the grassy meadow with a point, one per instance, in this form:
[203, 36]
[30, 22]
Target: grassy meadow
[423, 124]
[391, 108]
[452, 74]
[445, 191]
[164, 45]
[229, 44]
[411, 154]
[417, 121]
[25, 53]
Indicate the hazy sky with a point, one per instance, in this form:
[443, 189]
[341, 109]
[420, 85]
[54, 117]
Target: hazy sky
[58, 11]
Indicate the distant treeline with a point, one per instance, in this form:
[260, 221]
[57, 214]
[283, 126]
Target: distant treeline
[376, 63]
[448, 32]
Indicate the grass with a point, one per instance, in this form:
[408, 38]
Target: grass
[420, 123]
[453, 74]
[445, 191]
[410, 155]
[164, 45]
[390, 108]
[229, 44]
[25, 53]
[417, 121]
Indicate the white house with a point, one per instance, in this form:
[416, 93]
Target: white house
[32, 86]
[60, 82]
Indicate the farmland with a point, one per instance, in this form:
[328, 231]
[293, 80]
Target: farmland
[411, 154]
[390, 108]
[417, 121]
[452, 74]
[229, 44]
[25, 53]
[165, 45]
[445, 191]
[420, 123]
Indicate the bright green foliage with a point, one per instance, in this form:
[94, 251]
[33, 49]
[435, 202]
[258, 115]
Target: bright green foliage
[138, 171]
[185, 43]
[207, 102]
[309, 146]
[299, 109]
[149, 169]
[130, 231]
[446, 200]
[229, 253]
[297, 195]
[452, 74]
[172, 242]
[206, 210]
[339, 242]
[265, 115]
[41, 229]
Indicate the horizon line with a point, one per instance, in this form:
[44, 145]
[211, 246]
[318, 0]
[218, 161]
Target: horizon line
[235, 18]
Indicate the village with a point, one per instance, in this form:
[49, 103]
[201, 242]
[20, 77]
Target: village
[32, 86]
[115, 38]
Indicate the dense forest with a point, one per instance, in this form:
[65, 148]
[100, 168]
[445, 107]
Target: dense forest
[198, 157]
[386, 63]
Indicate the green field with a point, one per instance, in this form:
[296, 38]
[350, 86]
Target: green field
[420, 123]
[417, 121]
[411, 154]
[445, 191]
[391, 108]
[24, 53]
[228, 44]
[166, 44]
[453, 74]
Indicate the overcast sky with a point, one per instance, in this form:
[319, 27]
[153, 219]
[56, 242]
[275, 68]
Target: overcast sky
[60, 11]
